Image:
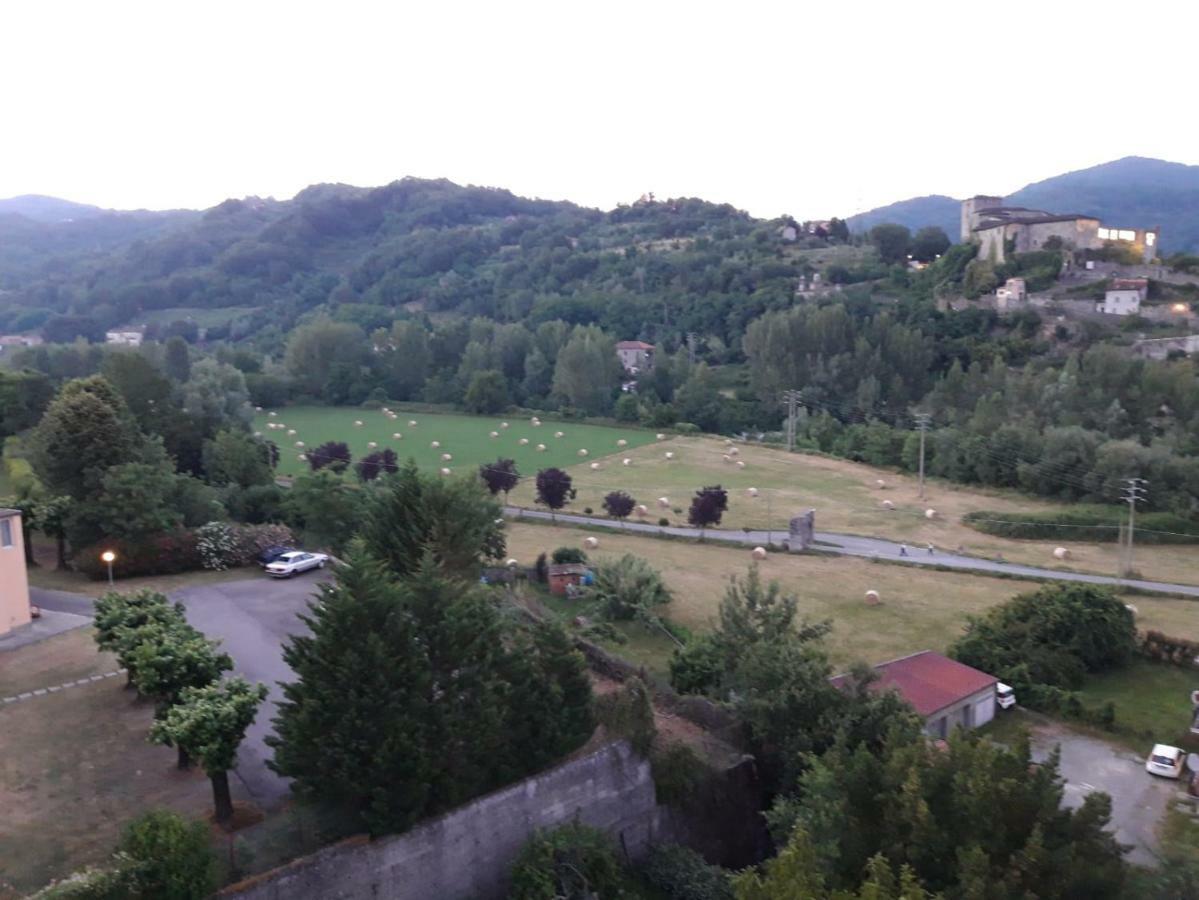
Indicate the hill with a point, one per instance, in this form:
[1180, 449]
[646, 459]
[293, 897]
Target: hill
[1130, 192]
[40, 208]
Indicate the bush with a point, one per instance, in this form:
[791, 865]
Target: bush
[682, 874]
[664, 522]
[218, 546]
[629, 588]
[1174, 651]
[253, 539]
[1085, 523]
[116, 882]
[686, 428]
[166, 554]
[564, 555]
[172, 858]
[575, 862]
[629, 713]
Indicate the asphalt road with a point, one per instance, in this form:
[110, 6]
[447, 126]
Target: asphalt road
[1139, 800]
[852, 545]
[252, 618]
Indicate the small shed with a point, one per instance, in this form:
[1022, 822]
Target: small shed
[565, 575]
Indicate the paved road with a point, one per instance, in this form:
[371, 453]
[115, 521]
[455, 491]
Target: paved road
[1139, 800]
[252, 618]
[852, 545]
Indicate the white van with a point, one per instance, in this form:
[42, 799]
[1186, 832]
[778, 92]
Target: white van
[1004, 695]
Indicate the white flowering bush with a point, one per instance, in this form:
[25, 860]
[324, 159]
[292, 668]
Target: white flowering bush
[218, 545]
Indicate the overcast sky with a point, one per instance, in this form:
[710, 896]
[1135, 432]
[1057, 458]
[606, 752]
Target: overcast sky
[813, 109]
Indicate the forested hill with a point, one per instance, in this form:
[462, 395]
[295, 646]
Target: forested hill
[414, 247]
[1133, 192]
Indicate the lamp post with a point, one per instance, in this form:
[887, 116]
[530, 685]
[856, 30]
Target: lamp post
[109, 557]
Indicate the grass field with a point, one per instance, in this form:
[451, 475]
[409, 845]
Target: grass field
[847, 498]
[1149, 698]
[921, 608]
[465, 438]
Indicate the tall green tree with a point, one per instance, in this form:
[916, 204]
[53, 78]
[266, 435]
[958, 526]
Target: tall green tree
[209, 724]
[176, 359]
[235, 457]
[587, 371]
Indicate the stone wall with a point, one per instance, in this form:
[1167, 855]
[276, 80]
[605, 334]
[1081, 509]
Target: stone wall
[467, 854]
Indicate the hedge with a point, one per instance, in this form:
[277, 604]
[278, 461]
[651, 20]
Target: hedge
[1096, 524]
[1174, 651]
[174, 552]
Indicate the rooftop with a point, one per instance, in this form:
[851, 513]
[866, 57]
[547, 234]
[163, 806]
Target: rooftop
[929, 681]
[8, 513]
[634, 345]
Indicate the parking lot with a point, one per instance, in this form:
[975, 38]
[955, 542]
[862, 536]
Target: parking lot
[1139, 800]
[253, 618]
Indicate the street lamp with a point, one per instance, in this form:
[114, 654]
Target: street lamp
[109, 557]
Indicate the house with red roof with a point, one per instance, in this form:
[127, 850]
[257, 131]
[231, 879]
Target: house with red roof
[635, 356]
[944, 692]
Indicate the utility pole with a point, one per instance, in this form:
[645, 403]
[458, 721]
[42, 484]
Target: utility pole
[922, 422]
[692, 337]
[1134, 491]
[791, 398]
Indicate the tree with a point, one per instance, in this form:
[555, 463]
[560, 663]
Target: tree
[326, 508]
[554, 489]
[574, 862]
[619, 505]
[86, 430]
[234, 457]
[365, 725]
[892, 242]
[135, 502]
[332, 454]
[929, 243]
[381, 462]
[707, 507]
[53, 514]
[316, 351]
[121, 621]
[146, 391]
[629, 588]
[170, 858]
[452, 519]
[587, 372]
[209, 724]
[216, 395]
[487, 392]
[501, 475]
[176, 359]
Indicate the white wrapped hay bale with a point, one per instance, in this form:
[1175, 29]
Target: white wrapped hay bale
[1061, 553]
[595, 467]
[758, 553]
[664, 502]
[626, 461]
[591, 543]
[622, 443]
[669, 455]
[872, 598]
[583, 452]
[930, 514]
[887, 504]
[753, 492]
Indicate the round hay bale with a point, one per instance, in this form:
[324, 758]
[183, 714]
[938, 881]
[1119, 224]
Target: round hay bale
[559, 434]
[494, 434]
[435, 444]
[591, 543]
[511, 563]
[664, 502]
[1061, 553]
[758, 553]
[397, 436]
[733, 451]
[660, 436]
[445, 471]
[523, 441]
[642, 509]
[541, 448]
[299, 443]
[503, 424]
[930, 514]
[257, 409]
[595, 467]
[622, 443]
[1132, 609]
[740, 464]
[357, 423]
[879, 483]
[445, 457]
[753, 492]
[371, 444]
[257, 434]
[583, 452]
[669, 455]
[727, 458]
[291, 432]
[412, 423]
[887, 504]
[872, 598]
[626, 462]
[302, 457]
[272, 414]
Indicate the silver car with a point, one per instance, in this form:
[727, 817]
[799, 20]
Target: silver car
[294, 563]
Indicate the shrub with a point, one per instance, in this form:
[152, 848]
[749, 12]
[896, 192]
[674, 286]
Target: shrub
[541, 569]
[575, 862]
[682, 874]
[218, 546]
[629, 588]
[1085, 523]
[253, 539]
[565, 555]
[664, 521]
[629, 713]
[165, 554]
[115, 882]
[172, 858]
[686, 428]
[1174, 651]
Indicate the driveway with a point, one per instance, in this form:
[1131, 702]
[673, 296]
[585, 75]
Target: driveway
[253, 619]
[1139, 800]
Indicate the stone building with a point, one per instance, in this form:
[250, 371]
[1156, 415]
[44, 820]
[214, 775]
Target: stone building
[635, 356]
[999, 230]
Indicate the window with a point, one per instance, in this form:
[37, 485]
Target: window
[1150, 238]
[1104, 234]
[5, 534]
[1126, 235]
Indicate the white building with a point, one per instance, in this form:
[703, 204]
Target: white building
[128, 338]
[635, 356]
[1121, 303]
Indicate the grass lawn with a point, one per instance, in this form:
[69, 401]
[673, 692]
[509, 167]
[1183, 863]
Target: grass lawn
[465, 438]
[847, 499]
[1152, 700]
[921, 608]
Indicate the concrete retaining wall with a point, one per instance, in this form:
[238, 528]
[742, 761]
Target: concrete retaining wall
[466, 854]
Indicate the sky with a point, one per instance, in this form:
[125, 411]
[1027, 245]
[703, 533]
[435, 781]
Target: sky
[809, 109]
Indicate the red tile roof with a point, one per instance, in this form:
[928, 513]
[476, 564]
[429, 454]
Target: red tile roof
[929, 681]
[634, 345]
[1129, 284]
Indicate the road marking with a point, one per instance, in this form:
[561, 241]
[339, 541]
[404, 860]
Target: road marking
[46, 691]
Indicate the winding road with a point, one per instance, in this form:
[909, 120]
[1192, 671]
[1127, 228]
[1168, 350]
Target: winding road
[867, 547]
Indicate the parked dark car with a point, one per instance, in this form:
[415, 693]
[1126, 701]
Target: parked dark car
[270, 554]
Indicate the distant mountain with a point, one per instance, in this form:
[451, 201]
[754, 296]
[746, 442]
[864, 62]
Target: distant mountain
[47, 209]
[1130, 192]
[936, 209]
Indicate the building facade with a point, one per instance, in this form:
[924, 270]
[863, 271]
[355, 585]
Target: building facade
[635, 356]
[14, 581]
[1121, 303]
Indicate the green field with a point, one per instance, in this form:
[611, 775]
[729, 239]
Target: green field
[466, 438]
[1151, 699]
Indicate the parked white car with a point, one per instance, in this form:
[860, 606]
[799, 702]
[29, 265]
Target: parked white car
[1166, 761]
[294, 563]
[1004, 695]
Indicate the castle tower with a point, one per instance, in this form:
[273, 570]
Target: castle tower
[970, 210]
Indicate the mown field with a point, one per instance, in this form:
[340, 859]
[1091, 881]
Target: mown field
[847, 498]
[466, 438]
[921, 608]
